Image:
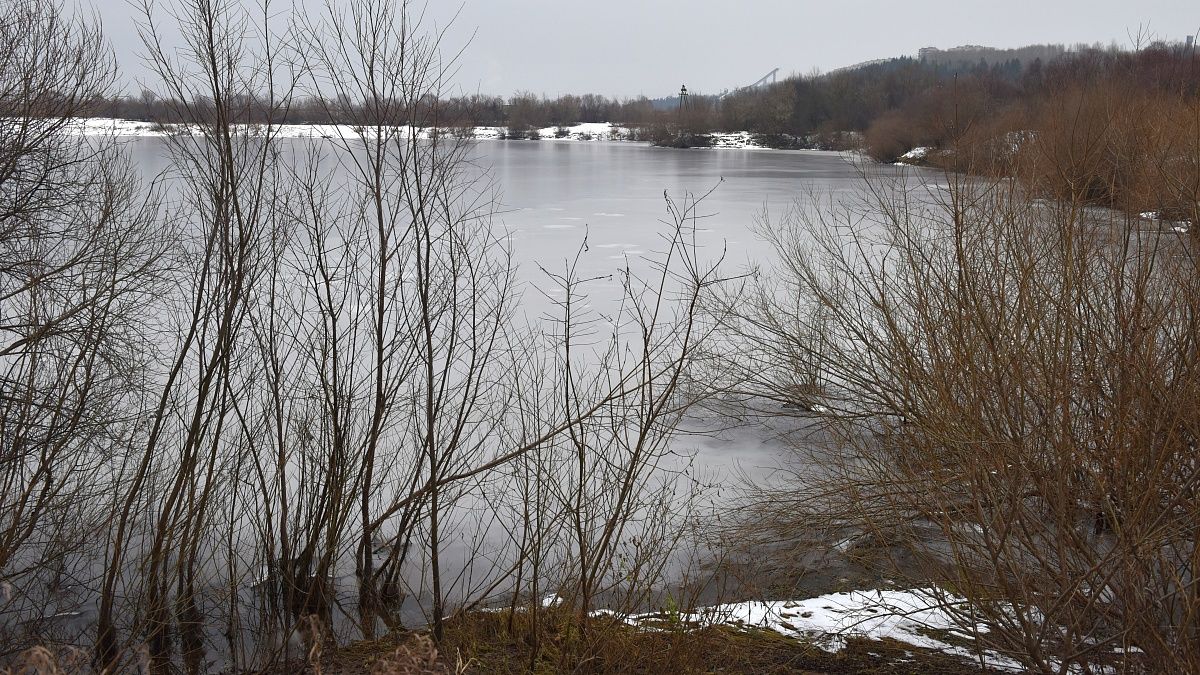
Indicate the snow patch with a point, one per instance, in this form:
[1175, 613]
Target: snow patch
[914, 155]
[587, 131]
[1177, 226]
[104, 126]
[828, 620]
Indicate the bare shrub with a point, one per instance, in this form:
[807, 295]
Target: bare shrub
[82, 254]
[890, 136]
[419, 657]
[1011, 391]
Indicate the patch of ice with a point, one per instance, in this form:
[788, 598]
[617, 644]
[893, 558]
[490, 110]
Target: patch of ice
[1180, 227]
[845, 544]
[1131, 649]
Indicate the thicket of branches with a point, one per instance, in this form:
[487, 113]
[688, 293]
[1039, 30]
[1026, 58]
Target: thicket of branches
[283, 394]
[1009, 385]
[1117, 130]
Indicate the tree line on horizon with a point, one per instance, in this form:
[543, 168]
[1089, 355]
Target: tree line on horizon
[891, 105]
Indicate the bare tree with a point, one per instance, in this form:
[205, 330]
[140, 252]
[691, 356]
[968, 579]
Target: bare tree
[81, 255]
[300, 361]
[226, 189]
[1010, 388]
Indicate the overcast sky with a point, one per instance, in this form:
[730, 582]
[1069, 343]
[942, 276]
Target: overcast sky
[632, 47]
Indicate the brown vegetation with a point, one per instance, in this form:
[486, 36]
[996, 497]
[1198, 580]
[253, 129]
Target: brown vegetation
[1113, 129]
[494, 643]
[1010, 386]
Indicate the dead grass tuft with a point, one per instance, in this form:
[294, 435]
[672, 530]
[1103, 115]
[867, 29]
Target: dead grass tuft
[43, 660]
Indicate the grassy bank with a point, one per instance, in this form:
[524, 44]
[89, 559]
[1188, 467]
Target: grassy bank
[485, 642]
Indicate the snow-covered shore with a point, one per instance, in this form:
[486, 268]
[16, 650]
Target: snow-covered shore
[597, 131]
[917, 617]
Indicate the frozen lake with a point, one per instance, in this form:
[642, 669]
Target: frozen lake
[553, 194]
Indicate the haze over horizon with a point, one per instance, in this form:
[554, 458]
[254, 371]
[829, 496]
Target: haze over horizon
[624, 48]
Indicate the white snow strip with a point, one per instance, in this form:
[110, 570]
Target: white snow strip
[828, 620]
[589, 131]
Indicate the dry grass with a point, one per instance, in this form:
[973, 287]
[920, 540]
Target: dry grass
[42, 660]
[416, 656]
[485, 642]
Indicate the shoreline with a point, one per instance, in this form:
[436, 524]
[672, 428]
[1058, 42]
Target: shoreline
[588, 132]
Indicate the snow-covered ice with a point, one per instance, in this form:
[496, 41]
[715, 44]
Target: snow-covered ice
[104, 126]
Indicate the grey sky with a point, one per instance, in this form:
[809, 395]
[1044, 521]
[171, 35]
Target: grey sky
[632, 47]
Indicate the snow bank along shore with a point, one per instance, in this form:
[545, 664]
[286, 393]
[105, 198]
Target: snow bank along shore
[597, 131]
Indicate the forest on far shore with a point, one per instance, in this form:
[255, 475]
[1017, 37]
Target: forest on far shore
[970, 106]
[893, 104]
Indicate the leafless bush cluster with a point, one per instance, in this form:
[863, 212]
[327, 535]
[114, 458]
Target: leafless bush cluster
[283, 393]
[1118, 132]
[82, 254]
[1011, 385]
[1114, 145]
